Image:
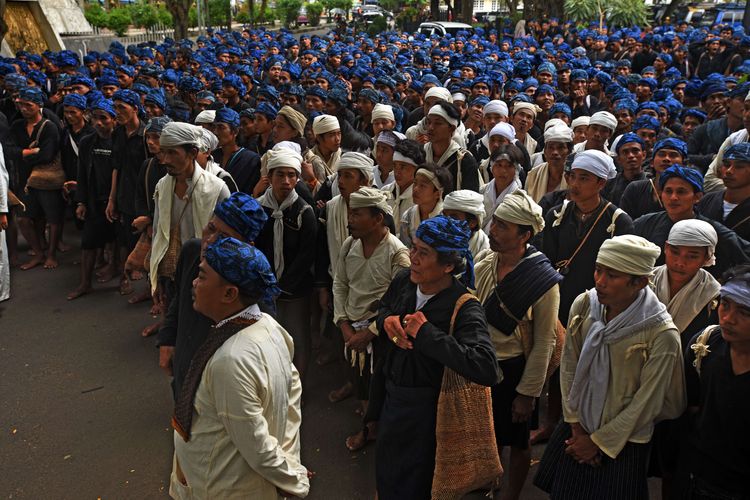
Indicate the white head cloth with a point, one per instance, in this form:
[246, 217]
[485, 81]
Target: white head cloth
[325, 123]
[558, 133]
[178, 133]
[459, 96]
[519, 208]
[403, 159]
[209, 141]
[552, 122]
[383, 112]
[466, 200]
[437, 110]
[292, 146]
[505, 130]
[440, 93]
[358, 161]
[581, 121]
[284, 157]
[605, 119]
[597, 162]
[695, 233]
[496, 106]
[532, 108]
[205, 116]
[370, 197]
[629, 254]
[389, 137]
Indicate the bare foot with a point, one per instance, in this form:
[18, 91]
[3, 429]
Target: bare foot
[81, 290]
[37, 260]
[155, 310]
[106, 274]
[125, 287]
[136, 275]
[540, 436]
[63, 247]
[51, 263]
[31, 252]
[357, 441]
[342, 393]
[141, 297]
[150, 329]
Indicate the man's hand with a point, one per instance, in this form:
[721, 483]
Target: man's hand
[324, 299]
[261, 186]
[141, 223]
[3, 222]
[395, 330]
[69, 186]
[360, 340]
[413, 323]
[347, 332]
[166, 353]
[308, 174]
[110, 211]
[522, 408]
[582, 449]
[81, 212]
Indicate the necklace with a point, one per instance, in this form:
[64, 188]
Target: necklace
[583, 214]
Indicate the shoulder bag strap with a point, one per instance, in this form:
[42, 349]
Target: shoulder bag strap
[740, 223]
[566, 262]
[148, 172]
[463, 299]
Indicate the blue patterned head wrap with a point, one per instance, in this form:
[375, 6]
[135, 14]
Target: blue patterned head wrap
[628, 138]
[370, 95]
[128, 97]
[104, 105]
[156, 96]
[647, 121]
[228, 116]
[266, 109]
[157, 124]
[236, 82]
[692, 176]
[695, 113]
[243, 214]
[739, 151]
[673, 143]
[445, 234]
[190, 84]
[75, 100]
[244, 266]
[32, 94]
[560, 107]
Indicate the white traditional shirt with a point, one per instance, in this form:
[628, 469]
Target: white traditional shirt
[245, 440]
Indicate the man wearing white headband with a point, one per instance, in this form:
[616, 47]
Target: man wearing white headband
[369, 260]
[205, 118]
[577, 228]
[408, 156]
[601, 126]
[549, 175]
[285, 241]
[327, 150]
[418, 132]
[382, 118]
[716, 374]
[611, 402]
[524, 114]
[184, 201]
[493, 113]
[442, 123]
[580, 127]
[469, 206]
[518, 288]
[384, 149]
[430, 183]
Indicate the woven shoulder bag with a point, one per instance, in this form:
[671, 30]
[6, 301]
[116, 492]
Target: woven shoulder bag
[466, 456]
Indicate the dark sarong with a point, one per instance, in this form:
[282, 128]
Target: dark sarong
[405, 455]
[623, 478]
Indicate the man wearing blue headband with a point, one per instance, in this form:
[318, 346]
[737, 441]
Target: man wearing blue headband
[128, 153]
[33, 147]
[631, 154]
[731, 206]
[243, 164]
[241, 396]
[717, 363]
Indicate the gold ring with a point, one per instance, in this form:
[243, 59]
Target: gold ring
[395, 339]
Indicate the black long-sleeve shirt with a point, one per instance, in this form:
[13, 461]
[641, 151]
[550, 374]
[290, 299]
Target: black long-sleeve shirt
[48, 142]
[243, 166]
[94, 170]
[128, 154]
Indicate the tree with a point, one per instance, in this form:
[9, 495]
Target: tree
[620, 13]
[96, 16]
[119, 20]
[179, 10]
[144, 14]
[3, 24]
[314, 10]
[288, 10]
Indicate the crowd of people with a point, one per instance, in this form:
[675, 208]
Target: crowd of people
[588, 188]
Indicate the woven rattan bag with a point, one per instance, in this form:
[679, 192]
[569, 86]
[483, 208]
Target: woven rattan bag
[466, 456]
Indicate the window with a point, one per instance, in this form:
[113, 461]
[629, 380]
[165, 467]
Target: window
[495, 5]
[478, 5]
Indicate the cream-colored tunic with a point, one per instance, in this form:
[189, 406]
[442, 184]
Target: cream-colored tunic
[360, 282]
[399, 201]
[245, 432]
[646, 383]
[536, 182]
[542, 317]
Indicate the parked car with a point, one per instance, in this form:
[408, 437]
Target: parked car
[443, 28]
[372, 11]
[727, 14]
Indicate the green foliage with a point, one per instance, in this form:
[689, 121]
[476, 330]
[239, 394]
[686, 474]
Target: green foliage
[287, 11]
[314, 10]
[96, 16]
[379, 25]
[218, 12]
[119, 19]
[390, 5]
[242, 17]
[628, 13]
[164, 16]
[144, 14]
[582, 10]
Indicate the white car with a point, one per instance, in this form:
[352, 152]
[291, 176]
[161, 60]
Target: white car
[444, 28]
